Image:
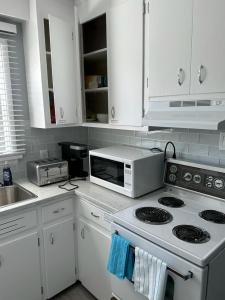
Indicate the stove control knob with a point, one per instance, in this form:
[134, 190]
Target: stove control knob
[173, 169]
[172, 178]
[197, 178]
[210, 178]
[219, 183]
[187, 177]
[209, 184]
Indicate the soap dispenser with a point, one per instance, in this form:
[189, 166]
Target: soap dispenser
[7, 176]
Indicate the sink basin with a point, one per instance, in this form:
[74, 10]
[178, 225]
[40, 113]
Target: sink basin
[14, 193]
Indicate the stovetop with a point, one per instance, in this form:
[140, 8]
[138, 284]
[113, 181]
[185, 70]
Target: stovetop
[187, 223]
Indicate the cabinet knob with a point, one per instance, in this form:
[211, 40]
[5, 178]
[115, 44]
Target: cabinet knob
[52, 239]
[202, 74]
[180, 76]
[82, 234]
[113, 113]
[61, 111]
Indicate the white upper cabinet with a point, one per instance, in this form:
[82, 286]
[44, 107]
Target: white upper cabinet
[63, 70]
[51, 64]
[112, 57]
[208, 50]
[125, 62]
[168, 34]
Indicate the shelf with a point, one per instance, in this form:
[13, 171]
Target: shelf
[110, 126]
[95, 54]
[97, 90]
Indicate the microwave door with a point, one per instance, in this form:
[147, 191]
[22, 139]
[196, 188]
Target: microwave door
[107, 170]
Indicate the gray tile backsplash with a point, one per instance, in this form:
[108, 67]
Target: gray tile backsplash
[200, 146]
[44, 139]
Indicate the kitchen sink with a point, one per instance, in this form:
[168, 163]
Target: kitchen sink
[13, 194]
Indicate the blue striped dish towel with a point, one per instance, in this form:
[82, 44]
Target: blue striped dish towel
[120, 261]
[150, 275]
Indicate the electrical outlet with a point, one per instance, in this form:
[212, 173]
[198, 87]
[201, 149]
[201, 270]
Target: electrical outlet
[44, 154]
[222, 141]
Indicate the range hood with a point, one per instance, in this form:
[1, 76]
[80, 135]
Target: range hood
[200, 114]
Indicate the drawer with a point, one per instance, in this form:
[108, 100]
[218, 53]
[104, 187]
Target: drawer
[57, 210]
[94, 214]
[17, 223]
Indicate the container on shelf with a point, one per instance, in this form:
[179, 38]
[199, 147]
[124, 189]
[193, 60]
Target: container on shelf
[95, 81]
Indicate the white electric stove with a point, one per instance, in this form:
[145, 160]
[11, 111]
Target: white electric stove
[184, 225]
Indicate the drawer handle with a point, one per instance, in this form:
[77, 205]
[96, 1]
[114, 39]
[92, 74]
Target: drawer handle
[95, 216]
[52, 239]
[57, 211]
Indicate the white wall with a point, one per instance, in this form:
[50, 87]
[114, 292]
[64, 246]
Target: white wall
[18, 9]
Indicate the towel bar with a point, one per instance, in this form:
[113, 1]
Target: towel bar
[184, 277]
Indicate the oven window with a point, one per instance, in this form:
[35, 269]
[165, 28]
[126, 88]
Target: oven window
[108, 170]
[169, 289]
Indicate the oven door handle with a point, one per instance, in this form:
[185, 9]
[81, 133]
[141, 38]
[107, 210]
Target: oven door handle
[184, 277]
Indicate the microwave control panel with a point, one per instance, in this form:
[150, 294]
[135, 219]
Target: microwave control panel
[127, 176]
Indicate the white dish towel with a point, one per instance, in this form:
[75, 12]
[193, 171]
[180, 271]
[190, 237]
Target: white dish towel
[150, 275]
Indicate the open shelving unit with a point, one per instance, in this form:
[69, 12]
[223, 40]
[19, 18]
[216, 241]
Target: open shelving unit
[94, 62]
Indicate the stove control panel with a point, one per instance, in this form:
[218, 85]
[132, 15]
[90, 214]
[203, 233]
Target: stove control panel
[196, 179]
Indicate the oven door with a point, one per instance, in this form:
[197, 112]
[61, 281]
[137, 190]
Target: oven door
[110, 174]
[177, 288]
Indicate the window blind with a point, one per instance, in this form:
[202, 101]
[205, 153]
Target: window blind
[12, 135]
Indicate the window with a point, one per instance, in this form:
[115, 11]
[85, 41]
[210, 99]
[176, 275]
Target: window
[12, 138]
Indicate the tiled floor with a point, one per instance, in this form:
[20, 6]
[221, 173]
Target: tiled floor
[76, 292]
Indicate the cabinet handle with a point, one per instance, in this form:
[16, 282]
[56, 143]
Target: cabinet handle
[95, 216]
[61, 112]
[113, 113]
[57, 211]
[0, 261]
[201, 74]
[52, 239]
[82, 234]
[180, 77]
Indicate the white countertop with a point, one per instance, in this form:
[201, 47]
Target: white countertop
[105, 198]
[108, 200]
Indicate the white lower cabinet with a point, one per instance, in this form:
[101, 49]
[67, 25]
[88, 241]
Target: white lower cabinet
[20, 275]
[93, 249]
[59, 252]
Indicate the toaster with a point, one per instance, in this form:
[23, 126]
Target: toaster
[43, 172]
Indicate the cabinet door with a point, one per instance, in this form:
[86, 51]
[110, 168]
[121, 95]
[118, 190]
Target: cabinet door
[93, 247]
[168, 32]
[20, 276]
[59, 251]
[63, 70]
[125, 62]
[208, 58]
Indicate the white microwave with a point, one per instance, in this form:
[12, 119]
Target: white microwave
[127, 170]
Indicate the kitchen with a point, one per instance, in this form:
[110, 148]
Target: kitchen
[112, 135]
